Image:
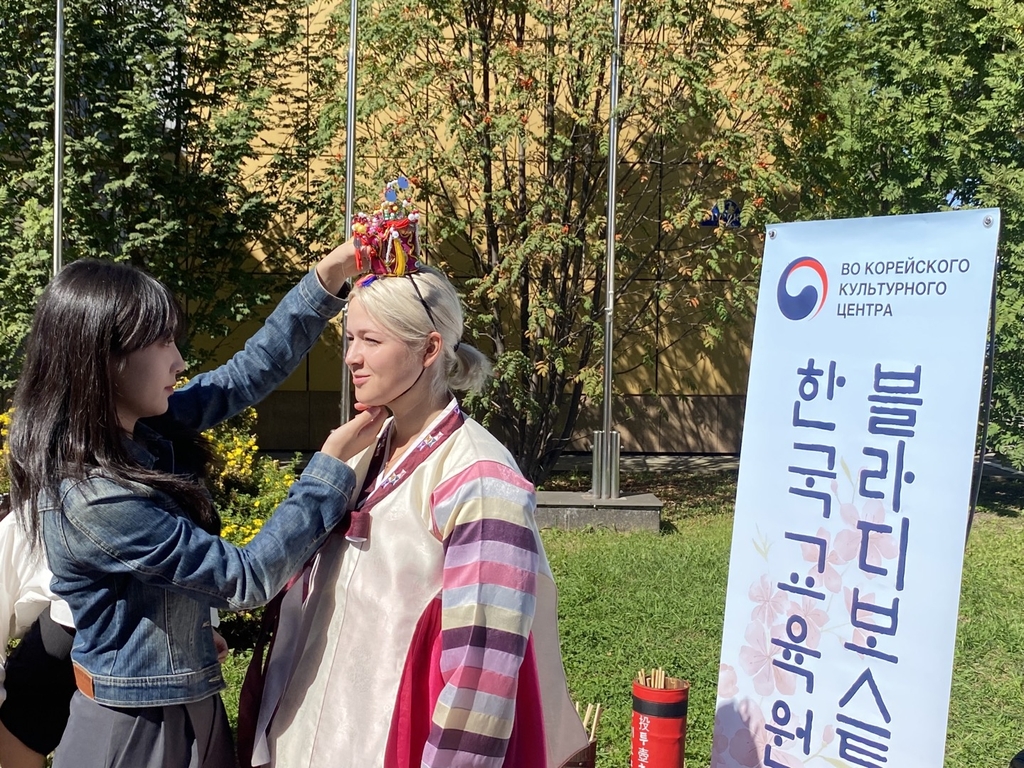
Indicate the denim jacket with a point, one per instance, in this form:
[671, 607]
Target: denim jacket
[141, 578]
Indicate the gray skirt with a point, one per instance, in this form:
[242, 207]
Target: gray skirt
[179, 736]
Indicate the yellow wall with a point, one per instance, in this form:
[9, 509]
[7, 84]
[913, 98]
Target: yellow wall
[677, 395]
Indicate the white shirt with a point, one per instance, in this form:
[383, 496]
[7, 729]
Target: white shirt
[24, 590]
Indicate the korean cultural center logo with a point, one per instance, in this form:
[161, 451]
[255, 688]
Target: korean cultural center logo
[808, 300]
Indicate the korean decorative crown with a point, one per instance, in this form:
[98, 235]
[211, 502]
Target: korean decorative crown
[391, 233]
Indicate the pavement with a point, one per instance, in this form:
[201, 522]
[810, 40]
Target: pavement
[682, 462]
[636, 511]
[575, 510]
[994, 469]
[673, 462]
[654, 462]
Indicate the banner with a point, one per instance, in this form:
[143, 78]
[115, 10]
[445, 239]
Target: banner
[853, 492]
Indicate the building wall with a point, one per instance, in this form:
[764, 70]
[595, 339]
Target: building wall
[704, 416]
[677, 394]
[668, 424]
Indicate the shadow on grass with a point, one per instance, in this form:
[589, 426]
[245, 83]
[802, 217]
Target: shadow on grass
[694, 489]
[689, 495]
[1003, 496]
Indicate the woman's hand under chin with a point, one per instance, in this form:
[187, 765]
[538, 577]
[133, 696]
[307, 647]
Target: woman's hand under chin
[356, 434]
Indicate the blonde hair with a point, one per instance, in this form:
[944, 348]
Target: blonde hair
[393, 302]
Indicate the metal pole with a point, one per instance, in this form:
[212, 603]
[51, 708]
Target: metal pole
[58, 142]
[610, 458]
[350, 187]
[597, 468]
[979, 471]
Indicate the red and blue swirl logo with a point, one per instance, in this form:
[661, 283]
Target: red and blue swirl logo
[808, 301]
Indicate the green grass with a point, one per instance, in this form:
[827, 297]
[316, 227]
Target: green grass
[657, 600]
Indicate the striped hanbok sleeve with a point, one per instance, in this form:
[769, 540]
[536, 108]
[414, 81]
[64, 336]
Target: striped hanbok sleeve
[487, 605]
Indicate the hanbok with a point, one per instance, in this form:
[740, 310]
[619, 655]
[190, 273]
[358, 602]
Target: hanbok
[433, 641]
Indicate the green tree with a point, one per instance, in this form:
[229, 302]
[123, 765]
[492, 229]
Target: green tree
[170, 159]
[906, 107]
[500, 111]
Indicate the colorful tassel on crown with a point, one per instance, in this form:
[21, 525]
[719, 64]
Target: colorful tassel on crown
[391, 233]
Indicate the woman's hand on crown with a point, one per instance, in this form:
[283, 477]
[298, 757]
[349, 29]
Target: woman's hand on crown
[346, 261]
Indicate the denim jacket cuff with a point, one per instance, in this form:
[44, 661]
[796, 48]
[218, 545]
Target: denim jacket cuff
[332, 471]
[319, 299]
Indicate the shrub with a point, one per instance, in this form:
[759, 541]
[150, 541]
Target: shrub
[246, 486]
[5, 425]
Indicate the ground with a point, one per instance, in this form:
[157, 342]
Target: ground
[643, 600]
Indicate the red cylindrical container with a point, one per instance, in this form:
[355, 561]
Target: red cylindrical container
[659, 724]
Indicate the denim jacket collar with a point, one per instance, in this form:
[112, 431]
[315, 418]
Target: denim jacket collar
[150, 449]
[136, 445]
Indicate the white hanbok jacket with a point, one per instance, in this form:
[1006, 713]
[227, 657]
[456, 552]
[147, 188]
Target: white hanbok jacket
[24, 590]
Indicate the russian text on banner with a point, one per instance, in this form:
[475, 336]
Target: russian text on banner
[853, 492]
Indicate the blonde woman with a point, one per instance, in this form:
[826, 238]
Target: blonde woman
[427, 634]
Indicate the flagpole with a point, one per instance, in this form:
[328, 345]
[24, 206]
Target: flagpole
[58, 142]
[606, 443]
[350, 186]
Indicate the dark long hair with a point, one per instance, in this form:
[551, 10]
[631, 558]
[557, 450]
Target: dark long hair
[91, 316]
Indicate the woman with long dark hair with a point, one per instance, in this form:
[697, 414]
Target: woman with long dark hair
[107, 468]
